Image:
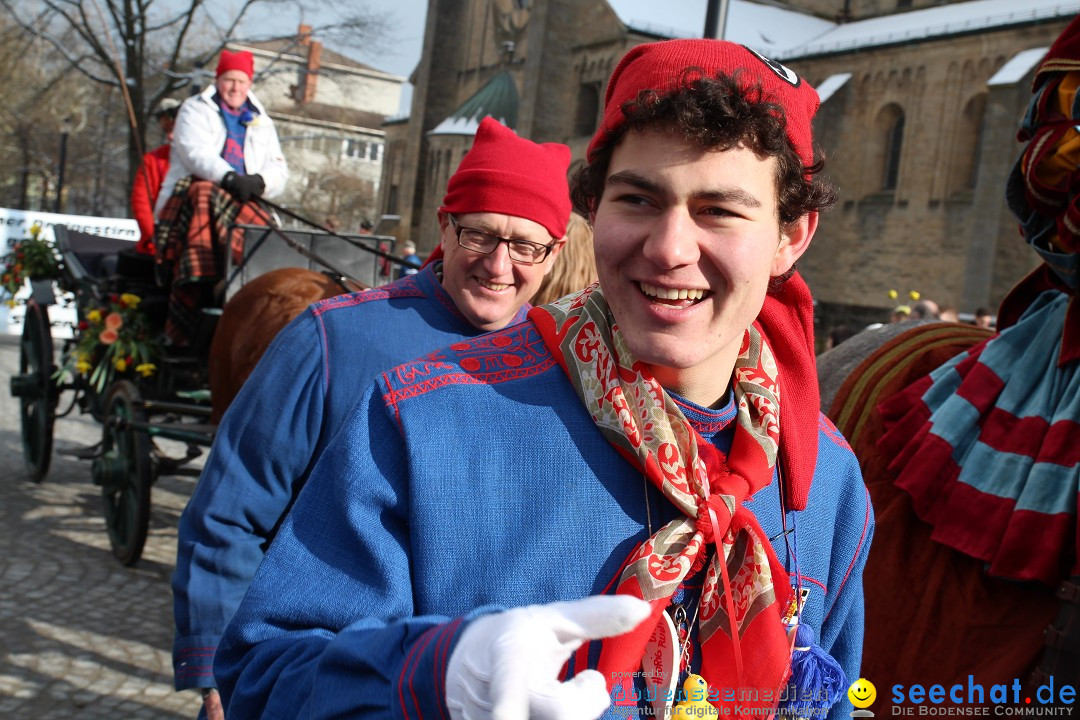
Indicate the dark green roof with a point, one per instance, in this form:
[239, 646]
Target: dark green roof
[497, 98]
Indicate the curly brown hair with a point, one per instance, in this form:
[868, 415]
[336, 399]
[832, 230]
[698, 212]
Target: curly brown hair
[717, 112]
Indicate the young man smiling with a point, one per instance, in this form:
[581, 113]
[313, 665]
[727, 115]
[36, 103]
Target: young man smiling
[559, 519]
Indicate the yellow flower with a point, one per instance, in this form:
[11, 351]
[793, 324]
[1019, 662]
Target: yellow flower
[146, 369]
[83, 367]
[94, 316]
[914, 294]
[132, 301]
[893, 294]
[120, 364]
[11, 303]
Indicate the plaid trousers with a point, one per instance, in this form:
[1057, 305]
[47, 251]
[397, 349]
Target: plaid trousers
[192, 232]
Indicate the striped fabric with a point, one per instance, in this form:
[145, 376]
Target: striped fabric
[986, 447]
[192, 231]
[923, 599]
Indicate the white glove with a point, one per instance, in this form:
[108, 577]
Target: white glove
[506, 666]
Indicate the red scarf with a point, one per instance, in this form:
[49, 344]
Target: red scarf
[750, 589]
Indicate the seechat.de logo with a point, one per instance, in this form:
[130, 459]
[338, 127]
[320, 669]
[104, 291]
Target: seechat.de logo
[974, 698]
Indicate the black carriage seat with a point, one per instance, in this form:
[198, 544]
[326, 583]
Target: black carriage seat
[111, 265]
[86, 256]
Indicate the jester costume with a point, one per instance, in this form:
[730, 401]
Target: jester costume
[542, 463]
[986, 445]
[983, 450]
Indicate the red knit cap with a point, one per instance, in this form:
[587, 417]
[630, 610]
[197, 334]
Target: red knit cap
[509, 175]
[242, 60]
[658, 66]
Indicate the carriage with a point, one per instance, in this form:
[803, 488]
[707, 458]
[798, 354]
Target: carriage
[168, 399]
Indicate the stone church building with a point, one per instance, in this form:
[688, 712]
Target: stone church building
[920, 105]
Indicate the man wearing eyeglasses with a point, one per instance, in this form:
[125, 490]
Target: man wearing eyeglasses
[502, 223]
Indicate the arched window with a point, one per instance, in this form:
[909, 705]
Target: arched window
[894, 142]
[433, 175]
[971, 140]
[588, 109]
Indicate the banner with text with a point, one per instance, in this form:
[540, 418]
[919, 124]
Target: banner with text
[15, 225]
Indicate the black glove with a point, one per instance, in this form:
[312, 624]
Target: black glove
[243, 187]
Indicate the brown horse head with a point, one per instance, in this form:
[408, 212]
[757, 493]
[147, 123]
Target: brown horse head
[252, 318]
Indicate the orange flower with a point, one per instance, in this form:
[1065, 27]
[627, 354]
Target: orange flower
[108, 336]
[113, 321]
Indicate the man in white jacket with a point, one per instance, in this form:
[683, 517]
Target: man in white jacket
[225, 152]
[201, 139]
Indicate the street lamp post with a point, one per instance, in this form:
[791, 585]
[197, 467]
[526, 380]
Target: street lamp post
[716, 19]
[65, 131]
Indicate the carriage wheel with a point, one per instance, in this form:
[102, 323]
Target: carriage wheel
[125, 472]
[36, 390]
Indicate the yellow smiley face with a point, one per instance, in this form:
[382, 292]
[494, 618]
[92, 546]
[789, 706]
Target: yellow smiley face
[862, 693]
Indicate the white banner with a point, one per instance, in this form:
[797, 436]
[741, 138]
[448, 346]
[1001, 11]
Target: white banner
[15, 225]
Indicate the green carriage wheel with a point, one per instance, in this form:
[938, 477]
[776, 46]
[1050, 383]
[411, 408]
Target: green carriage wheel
[36, 390]
[125, 471]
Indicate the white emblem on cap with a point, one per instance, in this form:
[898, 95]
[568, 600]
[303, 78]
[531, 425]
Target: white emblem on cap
[784, 73]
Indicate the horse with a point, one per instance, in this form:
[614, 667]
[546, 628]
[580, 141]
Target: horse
[252, 318]
[933, 614]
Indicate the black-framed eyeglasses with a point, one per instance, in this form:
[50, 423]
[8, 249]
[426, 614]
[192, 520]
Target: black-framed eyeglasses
[522, 252]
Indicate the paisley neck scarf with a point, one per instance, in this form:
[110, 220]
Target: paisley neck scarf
[746, 589]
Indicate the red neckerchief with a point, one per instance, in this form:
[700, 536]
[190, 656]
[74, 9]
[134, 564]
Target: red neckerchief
[750, 591]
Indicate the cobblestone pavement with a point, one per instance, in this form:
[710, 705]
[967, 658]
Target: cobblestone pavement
[80, 635]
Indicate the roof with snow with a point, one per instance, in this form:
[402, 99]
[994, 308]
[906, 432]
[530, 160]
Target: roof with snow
[497, 98]
[1018, 66]
[830, 85]
[787, 34]
[928, 23]
[765, 28]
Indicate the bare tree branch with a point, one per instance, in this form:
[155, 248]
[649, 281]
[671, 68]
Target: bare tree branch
[151, 49]
[76, 61]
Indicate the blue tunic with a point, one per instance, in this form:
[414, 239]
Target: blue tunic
[271, 436]
[470, 480]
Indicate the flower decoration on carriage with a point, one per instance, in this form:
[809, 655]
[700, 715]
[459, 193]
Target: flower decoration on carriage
[32, 257]
[113, 339]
